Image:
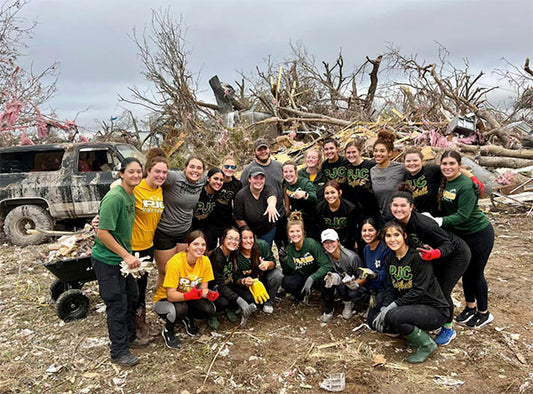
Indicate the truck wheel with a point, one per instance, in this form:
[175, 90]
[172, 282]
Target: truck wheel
[25, 217]
[59, 287]
[72, 305]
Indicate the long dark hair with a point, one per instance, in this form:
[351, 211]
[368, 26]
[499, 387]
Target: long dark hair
[255, 257]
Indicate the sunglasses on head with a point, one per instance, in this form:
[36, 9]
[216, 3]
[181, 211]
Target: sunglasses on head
[229, 167]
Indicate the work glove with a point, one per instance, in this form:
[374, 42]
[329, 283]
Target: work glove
[146, 266]
[282, 254]
[212, 295]
[366, 273]
[247, 310]
[306, 290]
[437, 220]
[479, 188]
[429, 253]
[379, 321]
[350, 282]
[332, 279]
[193, 294]
[259, 292]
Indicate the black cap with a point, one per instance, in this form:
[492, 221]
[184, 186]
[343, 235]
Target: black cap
[259, 143]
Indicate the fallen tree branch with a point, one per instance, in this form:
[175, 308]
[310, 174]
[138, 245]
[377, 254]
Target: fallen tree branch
[506, 162]
[496, 150]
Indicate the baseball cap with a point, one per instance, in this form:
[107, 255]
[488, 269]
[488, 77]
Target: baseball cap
[260, 143]
[255, 171]
[329, 235]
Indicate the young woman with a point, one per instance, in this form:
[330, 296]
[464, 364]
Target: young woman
[342, 277]
[184, 294]
[359, 171]
[386, 175]
[413, 302]
[337, 213]
[335, 167]
[181, 191]
[224, 262]
[462, 216]
[300, 195]
[375, 253]
[305, 263]
[256, 261]
[112, 246]
[449, 253]
[312, 171]
[222, 216]
[206, 205]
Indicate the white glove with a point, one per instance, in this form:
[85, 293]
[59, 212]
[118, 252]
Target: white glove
[379, 321]
[146, 266]
[350, 282]
[332, 279]
[437, 220]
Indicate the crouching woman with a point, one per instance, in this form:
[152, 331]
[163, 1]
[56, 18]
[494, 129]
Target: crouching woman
[184, 295]
[413, 301]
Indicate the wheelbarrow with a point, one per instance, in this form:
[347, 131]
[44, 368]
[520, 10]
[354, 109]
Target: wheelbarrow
[72, 274]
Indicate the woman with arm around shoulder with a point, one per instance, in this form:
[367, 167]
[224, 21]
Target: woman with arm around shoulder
[312, 171]
[463, 217]
[413, 302]
[184, 294]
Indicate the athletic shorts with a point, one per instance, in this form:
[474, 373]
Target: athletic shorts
[164, 241]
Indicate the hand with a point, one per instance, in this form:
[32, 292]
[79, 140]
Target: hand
[306, 290]
[350, 282]
[273, 214]
[479, 188]
[379, 321]
[248, 281]
[332, 279]
[282, 254]
[437, 220]
[366, 273]
[193, 294]
[264, 265]
[212, 295]
[429, 253]
[299, 194]
[259, 292]
[132, 261]
[95, 222]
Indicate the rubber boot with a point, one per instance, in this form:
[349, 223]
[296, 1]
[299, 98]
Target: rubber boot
[421, 340]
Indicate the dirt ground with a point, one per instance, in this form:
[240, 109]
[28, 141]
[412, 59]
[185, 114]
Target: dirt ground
[288, 352]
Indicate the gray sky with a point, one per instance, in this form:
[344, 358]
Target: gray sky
[98, 59]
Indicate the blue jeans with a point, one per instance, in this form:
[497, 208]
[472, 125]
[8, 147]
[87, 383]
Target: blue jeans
[268, 236]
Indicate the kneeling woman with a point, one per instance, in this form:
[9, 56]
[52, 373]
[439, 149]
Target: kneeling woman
[305, 264]
[413, 301]
[184, 295]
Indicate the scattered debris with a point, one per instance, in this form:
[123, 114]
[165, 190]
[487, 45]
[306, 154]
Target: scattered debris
[446, 381]
[379, 360]
[334, 382]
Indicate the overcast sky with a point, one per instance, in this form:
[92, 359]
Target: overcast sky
[91, 39]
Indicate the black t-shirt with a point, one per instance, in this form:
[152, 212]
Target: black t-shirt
[251, 210]
[223, 213]
[425, 185]
[337, 171]
[204, 208]
[343, 220]
[359, 175]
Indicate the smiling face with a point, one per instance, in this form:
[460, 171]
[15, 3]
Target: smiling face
[352, 154]
[289, 174]
[194, 170]
[382, 156]
[247, 240]
[331, 246]
[312, 159]
[401, 209]
[157, 174]
[395, 239]
[413, 163]
[296, 233]
[450, 168]
[196, 248]
[331, 195]
[231, 240]
[369, 233]
[257, 183]
[331, 151]
[132, 175]
[229, 167]
[262, 154]
[216, 181]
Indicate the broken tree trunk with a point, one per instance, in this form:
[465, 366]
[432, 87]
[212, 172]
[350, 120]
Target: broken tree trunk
[505, 162]
[497, 150]
[306, 116]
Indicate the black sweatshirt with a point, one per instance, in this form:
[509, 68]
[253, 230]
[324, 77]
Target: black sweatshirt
[425, 185]
[223, 272]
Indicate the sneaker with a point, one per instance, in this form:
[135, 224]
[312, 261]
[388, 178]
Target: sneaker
[347, 311]
[326, 317]
[465, 315]
[213, 323]
[126, 360]
[230, 314]
[171, 340]
[445, 336]
[480, 319]
[268, 308]
[190, 326]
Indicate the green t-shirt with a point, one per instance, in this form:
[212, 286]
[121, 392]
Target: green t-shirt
[310, 260]
[244, 264]
[459, 206]
[117, 213]
[301, 204]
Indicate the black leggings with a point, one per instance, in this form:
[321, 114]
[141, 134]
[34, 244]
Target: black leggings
[293, 284]
[142, 282]
[474, 282]
[404, 319]
[448, 271]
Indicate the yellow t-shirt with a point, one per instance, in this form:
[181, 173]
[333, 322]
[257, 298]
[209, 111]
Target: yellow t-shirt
[180, 275]
[148, 209]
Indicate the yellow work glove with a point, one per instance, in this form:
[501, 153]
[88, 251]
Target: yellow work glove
[259, 292]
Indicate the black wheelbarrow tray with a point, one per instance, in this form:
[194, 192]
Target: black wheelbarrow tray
[71, 275]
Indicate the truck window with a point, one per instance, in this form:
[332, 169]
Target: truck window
[31, 161]
[97, 160]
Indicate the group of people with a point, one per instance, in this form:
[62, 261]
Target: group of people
[387, 237]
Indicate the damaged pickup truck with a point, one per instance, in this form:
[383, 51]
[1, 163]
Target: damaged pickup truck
[40, 184]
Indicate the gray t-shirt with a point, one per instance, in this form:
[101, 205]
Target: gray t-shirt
[385, 181]
[348, 262]
[180, 197]
[274, 178]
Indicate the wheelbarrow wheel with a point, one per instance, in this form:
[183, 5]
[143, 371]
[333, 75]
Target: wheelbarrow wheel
[59, 287]
[72, 305]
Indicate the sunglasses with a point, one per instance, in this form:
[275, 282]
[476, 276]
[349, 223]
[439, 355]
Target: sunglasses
[230, 167]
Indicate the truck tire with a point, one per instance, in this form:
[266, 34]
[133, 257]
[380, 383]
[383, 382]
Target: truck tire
[72, 305]
[25, 217]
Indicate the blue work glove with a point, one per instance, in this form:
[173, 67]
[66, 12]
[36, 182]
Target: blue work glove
[379, 321]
